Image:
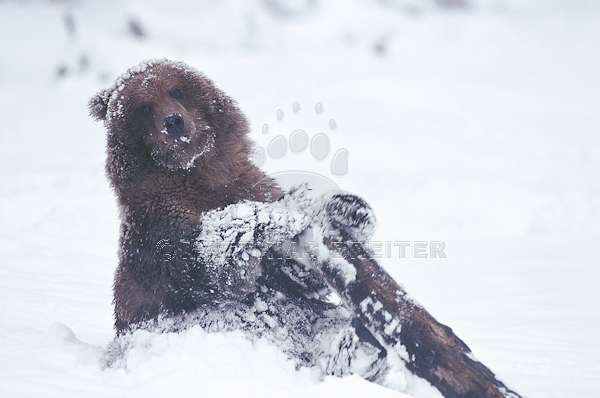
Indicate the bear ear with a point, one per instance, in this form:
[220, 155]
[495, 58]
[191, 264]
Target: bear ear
[98, 105]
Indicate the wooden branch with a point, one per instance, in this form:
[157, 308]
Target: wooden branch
[429, 349]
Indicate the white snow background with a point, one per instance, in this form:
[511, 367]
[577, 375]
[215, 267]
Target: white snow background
[475, 126]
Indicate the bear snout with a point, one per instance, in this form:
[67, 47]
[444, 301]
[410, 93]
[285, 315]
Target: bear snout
[174, 125]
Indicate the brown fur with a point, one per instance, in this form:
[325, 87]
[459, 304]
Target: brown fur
[164, 184]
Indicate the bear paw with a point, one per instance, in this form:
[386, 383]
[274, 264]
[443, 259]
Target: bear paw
[349, 213]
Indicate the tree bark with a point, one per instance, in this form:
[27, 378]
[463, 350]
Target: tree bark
[429, 349]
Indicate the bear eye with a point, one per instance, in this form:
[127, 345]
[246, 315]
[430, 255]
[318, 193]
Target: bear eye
[177, 93]
[145, 108]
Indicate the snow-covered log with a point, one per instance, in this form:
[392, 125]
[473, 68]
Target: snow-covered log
[428, 348]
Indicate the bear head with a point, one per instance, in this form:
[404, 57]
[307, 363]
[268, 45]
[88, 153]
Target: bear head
[165, 116]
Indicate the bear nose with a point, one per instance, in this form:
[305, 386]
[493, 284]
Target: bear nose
[174, 124]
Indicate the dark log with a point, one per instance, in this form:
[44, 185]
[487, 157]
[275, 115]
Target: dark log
[429, 349]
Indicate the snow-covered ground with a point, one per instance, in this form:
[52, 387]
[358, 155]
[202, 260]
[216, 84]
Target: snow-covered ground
[477, 127]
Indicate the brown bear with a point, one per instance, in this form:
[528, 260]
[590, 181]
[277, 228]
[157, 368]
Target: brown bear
[203, 229]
